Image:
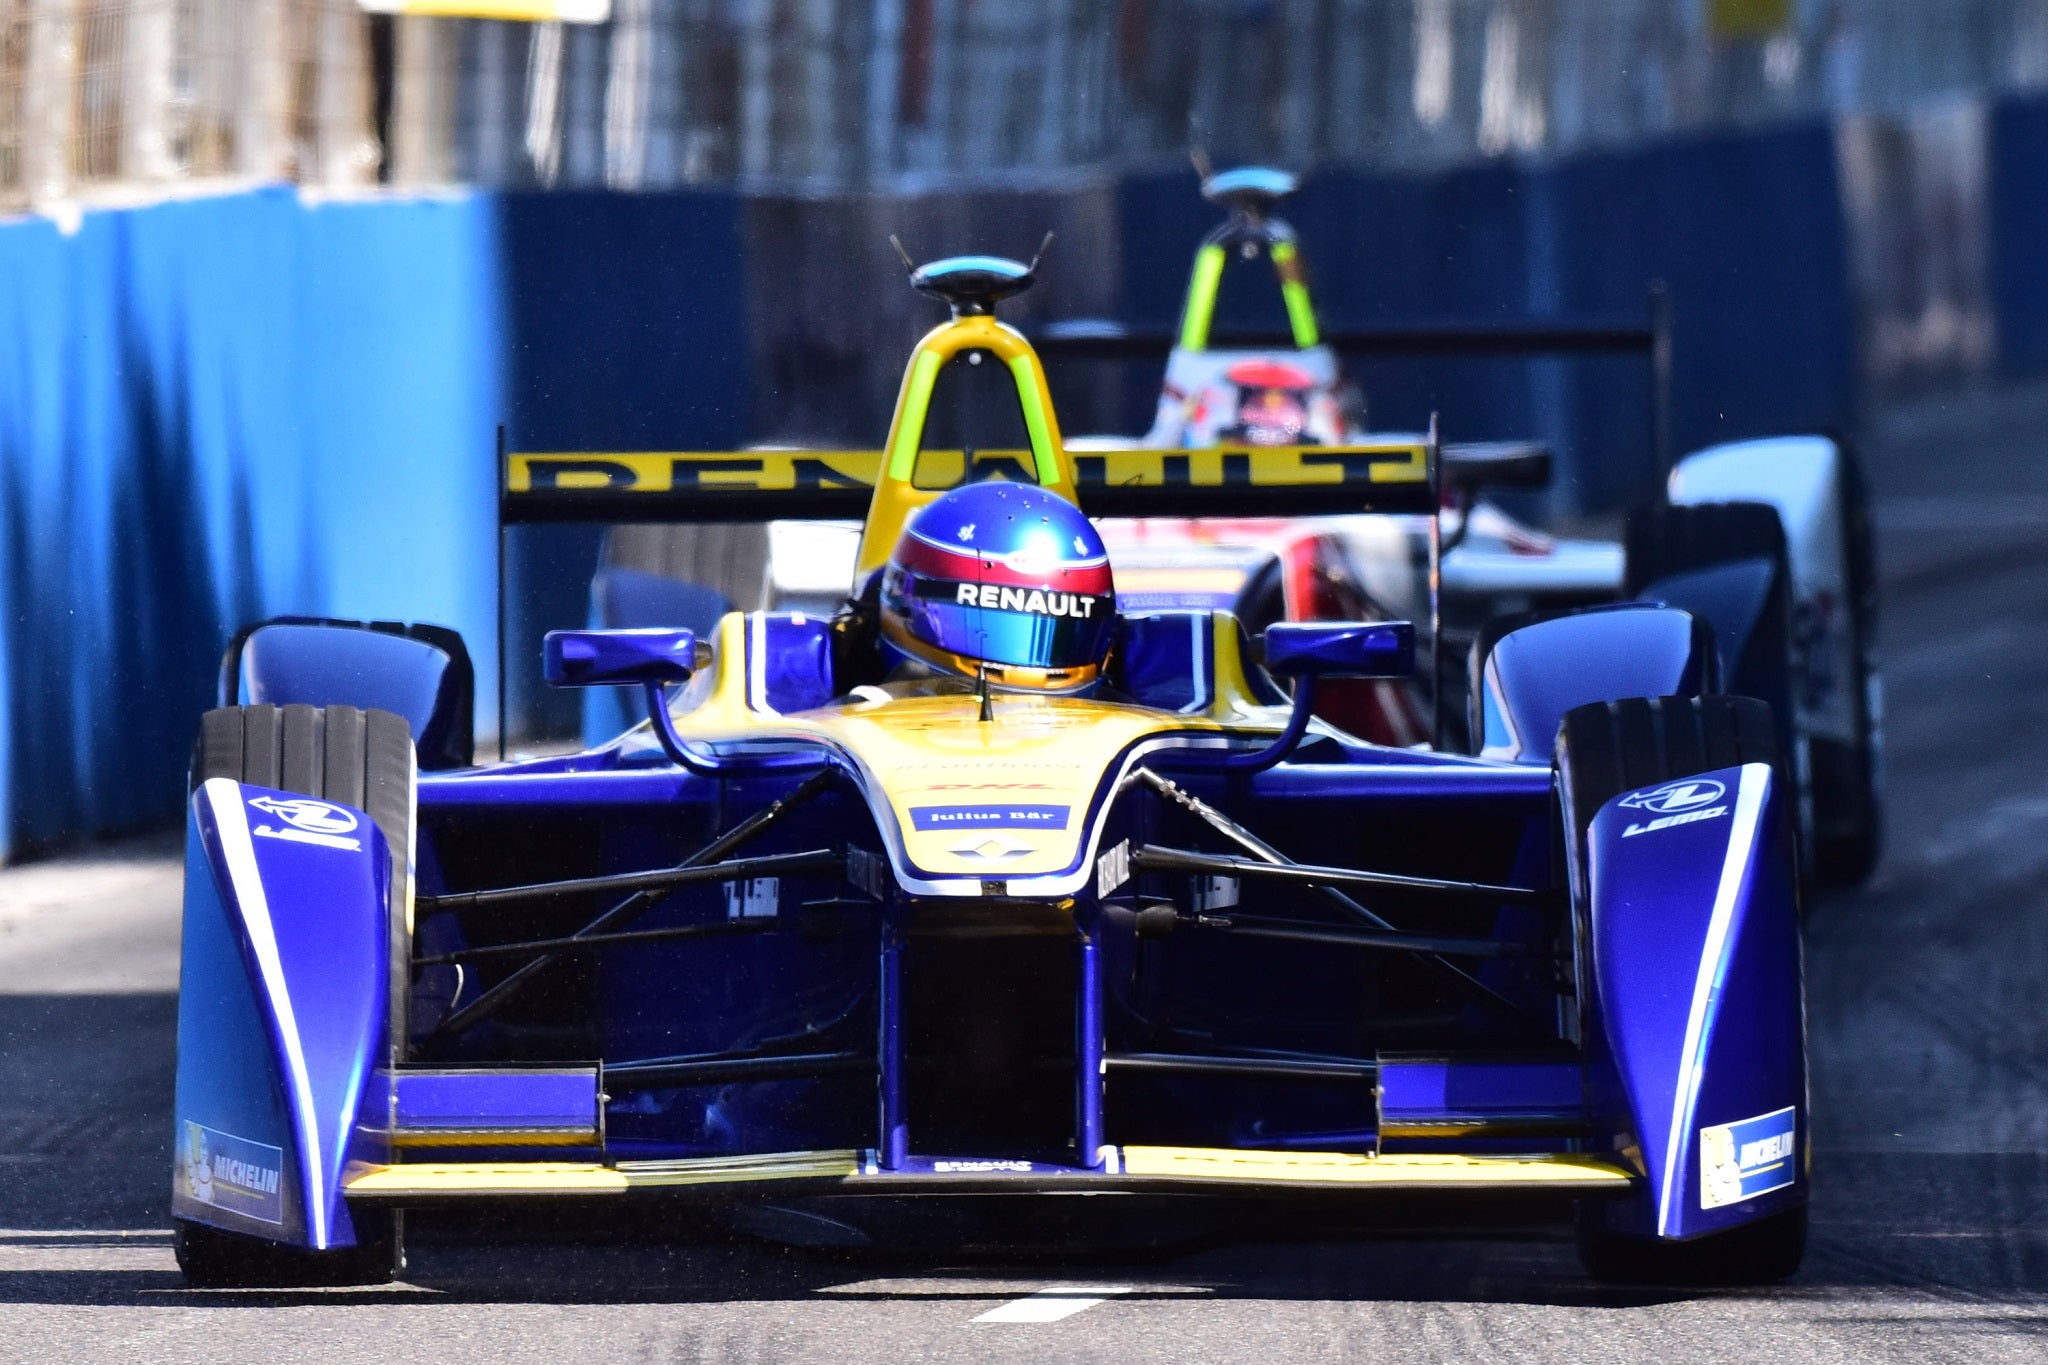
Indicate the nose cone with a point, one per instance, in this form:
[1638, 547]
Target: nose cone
[972, 284]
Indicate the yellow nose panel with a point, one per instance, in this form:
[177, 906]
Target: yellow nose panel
[998, 799]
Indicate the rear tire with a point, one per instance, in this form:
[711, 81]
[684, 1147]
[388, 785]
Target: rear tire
[1669, 540]
[1666, 540]
[1848, 805]
[355, 758]
[1604, 750]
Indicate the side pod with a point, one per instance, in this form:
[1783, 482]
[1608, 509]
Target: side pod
[1696, 1008]
[281, 1012]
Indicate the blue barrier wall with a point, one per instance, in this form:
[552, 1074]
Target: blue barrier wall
[212, 411]
[2019, 233]
[626, 329]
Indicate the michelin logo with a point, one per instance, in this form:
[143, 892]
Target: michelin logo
[1684, 802]
[307, 821]
[1742, 1160]
[233, 1173]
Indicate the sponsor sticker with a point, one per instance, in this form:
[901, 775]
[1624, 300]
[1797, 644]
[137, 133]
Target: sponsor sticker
[306, 820]
[233, 1173]
[1031, 601]
[984, 1167]
[304, 812]
[1747, 1158]
[755, 899]
[991, 847]
[1684, 802]
[1113, 868]
[997, 816]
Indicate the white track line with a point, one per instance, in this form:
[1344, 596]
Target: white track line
[1050, 1305]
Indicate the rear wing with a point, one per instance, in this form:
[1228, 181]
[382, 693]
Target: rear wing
[1647, 336]
[1398, 475]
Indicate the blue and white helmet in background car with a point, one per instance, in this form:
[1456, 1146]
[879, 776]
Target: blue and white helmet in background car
[1005, 578]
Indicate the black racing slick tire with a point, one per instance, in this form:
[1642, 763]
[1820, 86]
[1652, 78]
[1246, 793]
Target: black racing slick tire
[1610, 747]
[1603, 750]
[1664, 541]
[1848, 801]
[357, 758]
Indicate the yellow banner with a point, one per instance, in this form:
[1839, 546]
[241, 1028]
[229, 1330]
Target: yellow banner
[531, 11]
[1730, 19]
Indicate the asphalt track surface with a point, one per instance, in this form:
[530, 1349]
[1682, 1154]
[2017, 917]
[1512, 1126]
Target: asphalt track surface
[1929, 1038]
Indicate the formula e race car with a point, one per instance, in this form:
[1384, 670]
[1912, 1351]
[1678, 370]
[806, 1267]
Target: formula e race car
[981, 887]
[1767, 540]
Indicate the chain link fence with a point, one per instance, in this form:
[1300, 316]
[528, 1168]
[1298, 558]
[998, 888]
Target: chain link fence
[130, 98]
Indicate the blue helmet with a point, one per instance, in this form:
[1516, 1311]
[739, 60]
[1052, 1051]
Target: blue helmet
[1005, 578]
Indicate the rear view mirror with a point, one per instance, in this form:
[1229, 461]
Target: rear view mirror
[1341, 649]
[594, 658]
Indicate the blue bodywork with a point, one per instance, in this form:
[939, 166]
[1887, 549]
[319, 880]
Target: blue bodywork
[281, 1012]
[820, 1003]
[1696, 992]
[1537, 673]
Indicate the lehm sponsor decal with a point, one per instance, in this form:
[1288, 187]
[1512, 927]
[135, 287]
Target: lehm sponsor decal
[1742, 1160]
[1684, 802]
[304, 820]
[233, 1173]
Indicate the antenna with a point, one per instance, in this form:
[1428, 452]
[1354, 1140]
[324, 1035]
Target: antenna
[1039, 254]
[909, 266]
[1200, 156]
[981, 691]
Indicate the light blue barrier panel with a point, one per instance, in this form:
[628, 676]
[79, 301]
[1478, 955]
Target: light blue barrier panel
[211, 411]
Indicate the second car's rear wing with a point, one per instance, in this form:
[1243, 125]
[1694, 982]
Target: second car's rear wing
[1396, 475]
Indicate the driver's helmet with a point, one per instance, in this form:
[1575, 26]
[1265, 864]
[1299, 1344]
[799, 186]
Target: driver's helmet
[1003, 580]
[1272, 403]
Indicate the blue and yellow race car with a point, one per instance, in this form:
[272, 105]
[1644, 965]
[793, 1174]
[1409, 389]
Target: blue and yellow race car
[981, 886]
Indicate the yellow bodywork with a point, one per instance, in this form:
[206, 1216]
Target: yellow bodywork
[1126, 1166]
[924, 747]
[898, 493]
[928, 749]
